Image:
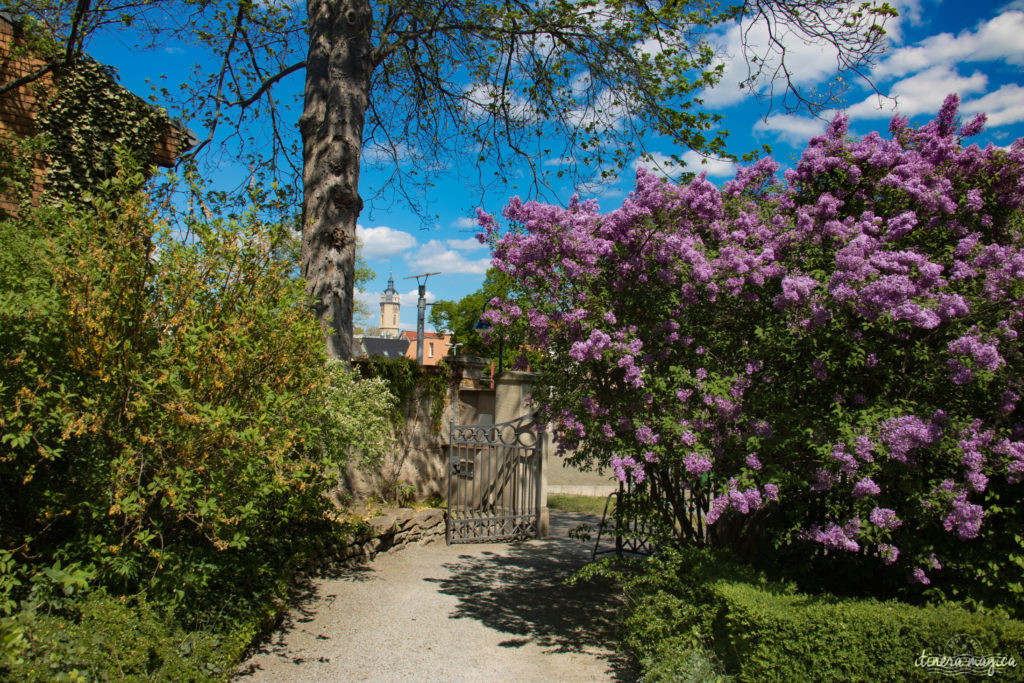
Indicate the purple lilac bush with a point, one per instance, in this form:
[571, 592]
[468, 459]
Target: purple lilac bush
[827, 363]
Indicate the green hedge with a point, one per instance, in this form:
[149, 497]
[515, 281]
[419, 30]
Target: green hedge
[696, 614]
[763, 635]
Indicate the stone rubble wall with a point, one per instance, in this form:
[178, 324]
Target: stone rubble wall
[393, 529]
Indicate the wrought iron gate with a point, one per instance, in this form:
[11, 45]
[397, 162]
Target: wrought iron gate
[494, 481]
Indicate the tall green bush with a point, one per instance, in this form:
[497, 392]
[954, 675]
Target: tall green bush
[168, 416]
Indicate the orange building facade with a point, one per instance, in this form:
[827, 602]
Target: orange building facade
[435, 346]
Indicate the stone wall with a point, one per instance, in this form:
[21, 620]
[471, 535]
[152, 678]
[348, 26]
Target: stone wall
[416, 460]
[416, 466]
[392, 529]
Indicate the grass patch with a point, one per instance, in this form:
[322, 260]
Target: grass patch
[592, 505]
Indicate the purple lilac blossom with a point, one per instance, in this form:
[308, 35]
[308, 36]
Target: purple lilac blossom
[865, 487]
[832, 536]
[904, 434]
[884, 518]
[696, 464]
[646, 435]
[888, 553]
[718, 245]
[964, 519]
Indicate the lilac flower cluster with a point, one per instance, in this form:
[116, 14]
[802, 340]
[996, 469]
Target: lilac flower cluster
[813, 333]
[834, 536]
[904, 434]
[965, 518]
[884, 518]
[865, 487]
[888, 552]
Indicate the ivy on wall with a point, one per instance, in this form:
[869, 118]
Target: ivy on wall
[406, 380]
[86, 119]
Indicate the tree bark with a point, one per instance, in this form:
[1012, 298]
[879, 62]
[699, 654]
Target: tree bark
[337, 95]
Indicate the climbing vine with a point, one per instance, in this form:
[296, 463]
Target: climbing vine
[406, 379]
[87, 119]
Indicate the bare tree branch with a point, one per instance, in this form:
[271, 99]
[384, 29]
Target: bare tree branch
[33, 76]
[267, 84]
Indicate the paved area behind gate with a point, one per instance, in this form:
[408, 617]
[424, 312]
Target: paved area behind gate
[480, 612]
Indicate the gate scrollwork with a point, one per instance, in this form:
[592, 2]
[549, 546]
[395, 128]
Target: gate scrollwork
[494, 481]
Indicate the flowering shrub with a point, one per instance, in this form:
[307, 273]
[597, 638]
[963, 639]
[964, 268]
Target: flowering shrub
[826, 364]
[169, 421]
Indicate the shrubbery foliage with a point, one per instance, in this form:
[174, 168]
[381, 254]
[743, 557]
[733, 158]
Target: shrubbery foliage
[766, 634]
[702, 608]
[827, 364]
[169, 420]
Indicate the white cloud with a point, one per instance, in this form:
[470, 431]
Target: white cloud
[662, 165]
[465, 223]
[922, 93]
[468, 244]
[716, 168]
[605, 111]
[791, 128]
[560, 161]
[807, 63]
[1002, 107]
[998, 39]
[580, 84]
[371, 300]
[383, 242]
[412, 297]
[658, 164]
[480, 99]
[601, 184]
[382, 152]
[909, 10]
[435, 256]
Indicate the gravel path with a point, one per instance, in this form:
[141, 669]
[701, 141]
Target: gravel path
[482, 612]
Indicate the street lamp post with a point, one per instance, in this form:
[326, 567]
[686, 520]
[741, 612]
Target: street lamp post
[421, 313]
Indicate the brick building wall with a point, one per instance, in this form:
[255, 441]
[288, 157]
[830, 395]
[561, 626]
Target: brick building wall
[18, 106]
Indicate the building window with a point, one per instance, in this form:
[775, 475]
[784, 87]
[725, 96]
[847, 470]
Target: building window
[394, 320]
[431, 349]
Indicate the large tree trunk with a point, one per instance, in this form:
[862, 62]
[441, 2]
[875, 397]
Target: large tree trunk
[336, 98]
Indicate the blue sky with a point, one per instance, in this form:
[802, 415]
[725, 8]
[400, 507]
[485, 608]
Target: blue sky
[936, 47]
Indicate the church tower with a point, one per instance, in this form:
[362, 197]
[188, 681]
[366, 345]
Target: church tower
[389, 305]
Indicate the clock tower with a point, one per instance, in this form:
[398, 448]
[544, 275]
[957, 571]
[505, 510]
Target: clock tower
[389, 305]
